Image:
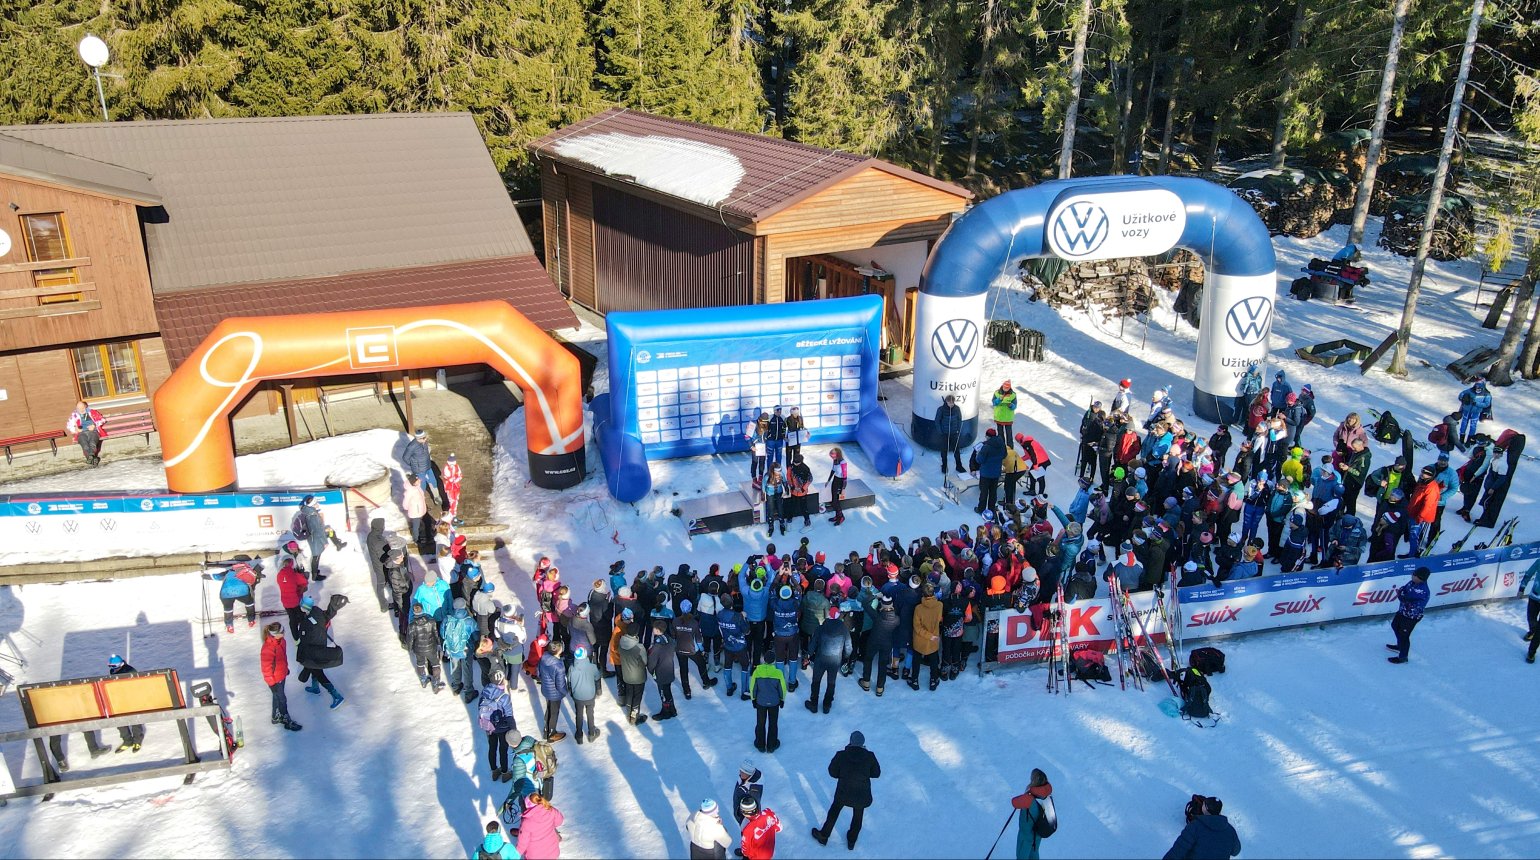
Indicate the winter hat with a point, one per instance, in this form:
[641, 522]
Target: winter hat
[486, 587]
[624, 593]
[451, 458]
[1139, 472]
[1125, 384]
[857, 739]
[582, 610]
[627, 614]
[1206, 537]
[708, 806]
[834, 612]
[886, 599]
[1093, 543]
[580, 653]
[459, 603]
[1171, 501]
[1085, 483]
[421, 434]
[1118, 473]
[510, 611]
[307, 601]
[307, 499]
[114, 660]
[684, 606]
[498, 676]
[990, 432]
[1190, 566]
[748, 806]
[1126, 547]
[819, 557]
[1291, 399]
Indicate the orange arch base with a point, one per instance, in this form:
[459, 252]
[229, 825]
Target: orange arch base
[192, 407]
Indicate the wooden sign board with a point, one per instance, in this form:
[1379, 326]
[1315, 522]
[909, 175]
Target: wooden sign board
[78, 699]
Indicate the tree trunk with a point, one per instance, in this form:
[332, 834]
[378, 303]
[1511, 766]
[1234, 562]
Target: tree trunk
[1165, 137]
[982, 92]
[1117, 98]
[1502, 368]
[1136, 154]
[1436, 197]
[1377, 133]
[1125, 114]
[1213, 144]
[1076, 71]
[1531, 353]
[1286, 98]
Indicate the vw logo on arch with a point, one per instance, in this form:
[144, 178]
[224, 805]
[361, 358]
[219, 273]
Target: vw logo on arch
[1249, 320]
[1079, 229]
[955, 342]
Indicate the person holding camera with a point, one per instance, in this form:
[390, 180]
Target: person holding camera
[1207, 836]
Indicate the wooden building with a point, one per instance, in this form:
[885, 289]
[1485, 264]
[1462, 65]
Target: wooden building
[644, 212]
[123, 244]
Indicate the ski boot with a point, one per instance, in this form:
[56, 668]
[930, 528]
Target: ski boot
[731, 688]
[812, 706]
[336, 696]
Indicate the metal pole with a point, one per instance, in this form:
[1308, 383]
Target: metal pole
[97, 74]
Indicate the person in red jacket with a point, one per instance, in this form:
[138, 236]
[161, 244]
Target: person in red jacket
[87, 426]
[759, 829]
[452, 476]
[275, 669]
[291, 590]
[1422, 510]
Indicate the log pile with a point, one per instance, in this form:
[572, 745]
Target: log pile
[1407, 176]
[1171, 274]
[1115, 287]
[1454, 233]
[1296, 202]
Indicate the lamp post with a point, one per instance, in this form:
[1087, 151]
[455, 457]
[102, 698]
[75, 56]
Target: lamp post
[93, 51]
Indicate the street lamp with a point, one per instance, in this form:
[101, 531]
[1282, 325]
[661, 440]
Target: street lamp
[94, 52]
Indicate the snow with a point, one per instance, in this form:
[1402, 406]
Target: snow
[702, 172]
[1323, 750]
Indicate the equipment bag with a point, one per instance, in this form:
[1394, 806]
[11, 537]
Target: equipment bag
[1047, 824]
[1149, 666]
[1387, 429]
[1089, 664]
[1195, 702]
[547, 758]
[1209, 661]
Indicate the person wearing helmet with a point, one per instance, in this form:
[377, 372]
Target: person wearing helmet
[759, 829]
[133, 736]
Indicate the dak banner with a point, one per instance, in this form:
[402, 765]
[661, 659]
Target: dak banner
[1283, 600]
[55, 528]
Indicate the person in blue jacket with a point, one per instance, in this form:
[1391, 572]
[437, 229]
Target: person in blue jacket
[1209, 836]
[494, 846]
[1414, 598]
[1278, 396]
[734, 627]
[1246, 390]
[755, 587]
[238, 583]
[1531, 581]
[949, 428]
[1475, 407]
[786, 618]
[433, 594]
[1448, 483]
[456, 632]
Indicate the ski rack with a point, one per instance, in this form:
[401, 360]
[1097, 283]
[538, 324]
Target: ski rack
[186, 719]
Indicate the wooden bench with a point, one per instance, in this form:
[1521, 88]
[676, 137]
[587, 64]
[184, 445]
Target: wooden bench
[129, 424]
[52, 437]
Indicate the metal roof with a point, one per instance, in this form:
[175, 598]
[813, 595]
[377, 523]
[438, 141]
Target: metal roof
[28, 160]
[187, 316]
[774, 173]
[267, 199]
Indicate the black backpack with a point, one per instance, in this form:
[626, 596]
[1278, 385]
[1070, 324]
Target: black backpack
[1047, 823]
[1387, 429]
[1195, 690]
[1209, 661]
[1087, 664]
[1149, 666]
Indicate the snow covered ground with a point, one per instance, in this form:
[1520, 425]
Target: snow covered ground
[1324, 749]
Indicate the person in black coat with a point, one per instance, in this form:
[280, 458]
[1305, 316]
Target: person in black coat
[949, 428]
[880, 642]
[748, 786]
[854, 767]
[1207, 837]
[375, 548]
[314, 651]
[426, 646]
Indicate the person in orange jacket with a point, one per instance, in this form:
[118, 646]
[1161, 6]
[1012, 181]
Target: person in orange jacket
[759, 829]
[1422, 510]
[275, 670]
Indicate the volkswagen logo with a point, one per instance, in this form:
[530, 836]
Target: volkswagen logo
[1249, 320]
[955, 342]
[1080, 228]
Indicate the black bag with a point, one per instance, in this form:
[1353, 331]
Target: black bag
[1209, 661]
[320, 656]
[1387, 429]
[1149, 666]
[1047, 824]
[1088, 664]
[1195, 691]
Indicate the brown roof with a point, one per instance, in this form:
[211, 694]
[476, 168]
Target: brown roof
[187, 316]
[266, 199]
[774, 173]
[28, 160]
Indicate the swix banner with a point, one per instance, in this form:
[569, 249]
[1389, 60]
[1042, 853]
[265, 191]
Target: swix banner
[1281, 600]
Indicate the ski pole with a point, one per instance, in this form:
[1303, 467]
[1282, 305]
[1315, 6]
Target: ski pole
[1008, 821]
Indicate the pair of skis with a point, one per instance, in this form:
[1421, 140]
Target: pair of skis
[1503, 536]
[1058, 645]
[1142, 645]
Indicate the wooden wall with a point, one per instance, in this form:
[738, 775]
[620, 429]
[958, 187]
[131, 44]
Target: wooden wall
[834, 239]
[553, 206]
[115, 278]
[853, 203]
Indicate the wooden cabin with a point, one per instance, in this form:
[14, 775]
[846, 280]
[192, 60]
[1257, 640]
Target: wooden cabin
[643, 212]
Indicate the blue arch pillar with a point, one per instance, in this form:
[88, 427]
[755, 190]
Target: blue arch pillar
[1094, 219]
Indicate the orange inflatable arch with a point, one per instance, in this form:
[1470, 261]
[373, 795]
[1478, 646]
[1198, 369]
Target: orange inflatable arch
[192, 407]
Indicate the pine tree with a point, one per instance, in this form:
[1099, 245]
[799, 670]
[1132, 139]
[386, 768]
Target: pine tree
[848, 85]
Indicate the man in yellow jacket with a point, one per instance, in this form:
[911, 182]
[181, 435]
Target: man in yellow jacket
[927, 636]
[1012, 470]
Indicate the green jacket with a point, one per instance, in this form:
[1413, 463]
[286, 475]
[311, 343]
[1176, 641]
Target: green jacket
[773, 672]
[1005, 407]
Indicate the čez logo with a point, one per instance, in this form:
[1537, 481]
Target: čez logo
[955, 342]
[1248, 321]
[1080, 228]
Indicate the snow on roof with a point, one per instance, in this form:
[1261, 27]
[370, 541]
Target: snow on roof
[700, 172]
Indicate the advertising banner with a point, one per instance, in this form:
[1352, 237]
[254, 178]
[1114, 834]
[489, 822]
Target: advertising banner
[56, 528]
[1282, 600]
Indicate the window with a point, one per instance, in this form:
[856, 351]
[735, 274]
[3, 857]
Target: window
[107, 370]
[47, 238]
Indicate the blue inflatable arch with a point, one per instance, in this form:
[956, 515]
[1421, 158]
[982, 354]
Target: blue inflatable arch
[1094, 219]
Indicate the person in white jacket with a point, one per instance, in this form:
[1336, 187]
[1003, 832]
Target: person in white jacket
[708, 838]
